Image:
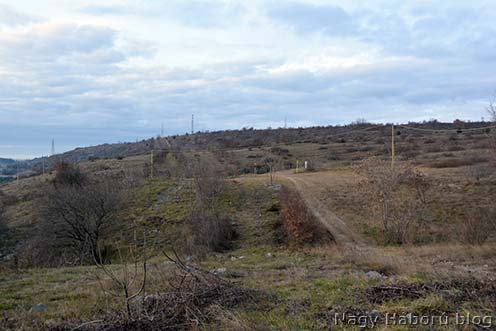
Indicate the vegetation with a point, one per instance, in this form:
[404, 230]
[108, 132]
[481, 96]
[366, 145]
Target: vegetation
[193, 239]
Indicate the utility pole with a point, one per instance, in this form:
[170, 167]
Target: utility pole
[192, 123]
[162, 130]
[392, 146]
[285, 122]
[17, 172]
[151, 164]
[53, 147]
[297, 164]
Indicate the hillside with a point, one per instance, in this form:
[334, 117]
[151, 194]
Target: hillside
[296, 246]
[246, 138]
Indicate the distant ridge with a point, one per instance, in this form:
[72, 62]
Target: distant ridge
[242, 138]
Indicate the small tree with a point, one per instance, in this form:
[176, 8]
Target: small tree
[78, 217]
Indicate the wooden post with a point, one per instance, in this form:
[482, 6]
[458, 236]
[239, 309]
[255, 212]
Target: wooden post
[297, 164]
[151, 164]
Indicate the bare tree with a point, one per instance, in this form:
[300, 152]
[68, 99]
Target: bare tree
[79, 217]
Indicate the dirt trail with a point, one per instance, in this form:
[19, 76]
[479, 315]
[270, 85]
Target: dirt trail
[308, 185]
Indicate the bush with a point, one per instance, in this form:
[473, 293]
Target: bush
[299, 225]
[203, 232]
[74, 222]
[398, 195]
[68, 175]
[478, 226]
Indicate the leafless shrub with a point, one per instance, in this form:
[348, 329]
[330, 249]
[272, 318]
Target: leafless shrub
[478, 226]
[399, 194]
[68, 175]
[74, 221]
[207, 228]
[298, 223]
[128, 278]
[204, 232]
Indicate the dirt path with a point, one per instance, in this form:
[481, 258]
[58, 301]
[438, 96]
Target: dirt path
[308, 185]
[312, 186]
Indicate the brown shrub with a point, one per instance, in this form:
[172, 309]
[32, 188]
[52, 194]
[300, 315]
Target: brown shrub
[204, 232]
[478, 226]
[398, 195]
[298, 222]
[68, 175]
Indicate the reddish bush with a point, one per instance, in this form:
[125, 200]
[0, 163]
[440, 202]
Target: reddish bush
[298, 222]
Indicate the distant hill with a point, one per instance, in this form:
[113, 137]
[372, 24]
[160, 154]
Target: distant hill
[4, 161]
[237, 139]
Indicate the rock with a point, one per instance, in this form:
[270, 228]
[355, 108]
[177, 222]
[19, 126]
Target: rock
[39, 308]
[219, 271]
[241, 257]
[374, 275]
[233, 258]
[269, 255]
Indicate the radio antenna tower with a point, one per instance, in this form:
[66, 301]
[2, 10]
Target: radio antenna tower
[162, 130]
[285, 122]
[53, 146]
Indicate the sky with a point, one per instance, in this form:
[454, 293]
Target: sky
[84, 73]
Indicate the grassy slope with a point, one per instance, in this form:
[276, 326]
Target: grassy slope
[305, 283]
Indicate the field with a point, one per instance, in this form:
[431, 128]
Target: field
[311, 252]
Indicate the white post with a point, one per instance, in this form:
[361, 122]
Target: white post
[297, 164]
[306, 164]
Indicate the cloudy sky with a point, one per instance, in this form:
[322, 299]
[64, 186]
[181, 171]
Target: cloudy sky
[85, 73]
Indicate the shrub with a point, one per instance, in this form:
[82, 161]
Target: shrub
[68, 175]
[74, 222]
[478, 226]
[204, 232]
[299, 225]
[399, 195]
